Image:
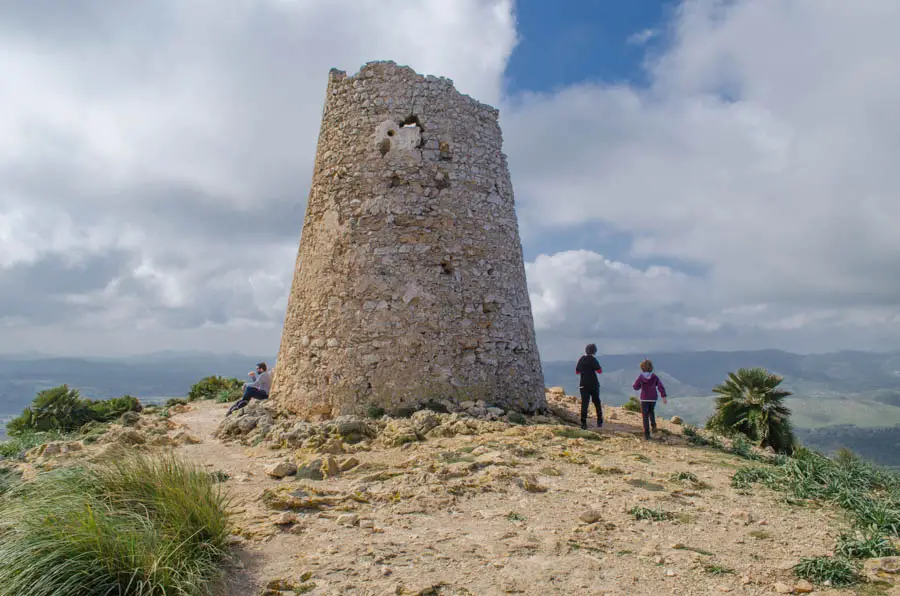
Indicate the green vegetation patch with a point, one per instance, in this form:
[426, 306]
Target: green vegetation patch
[836, 570]
[751, 404]
[869, 494]
[716, 569]
[221, 389]
[656, 514]
[62, 410]
[143, 525]
[632, 405]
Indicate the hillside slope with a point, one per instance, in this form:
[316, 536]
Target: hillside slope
[445, 504]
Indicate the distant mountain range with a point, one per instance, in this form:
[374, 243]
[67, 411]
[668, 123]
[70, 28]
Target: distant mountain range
[839, 398]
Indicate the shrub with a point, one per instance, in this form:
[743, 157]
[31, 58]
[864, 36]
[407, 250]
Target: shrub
[229, 395]
[140, 526]
[62, 409]
[59, 408]
[517, 418]
[109, 409]
[175, 401]
[375, 412]
[632, 405]
[212, 387]
[750, 403]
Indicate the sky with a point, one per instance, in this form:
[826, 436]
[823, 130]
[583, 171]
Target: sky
[688, 175]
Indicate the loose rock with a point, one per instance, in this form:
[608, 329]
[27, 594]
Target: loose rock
[590, 516]
[281, 469]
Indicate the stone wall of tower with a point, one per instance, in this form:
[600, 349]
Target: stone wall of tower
[409, 282]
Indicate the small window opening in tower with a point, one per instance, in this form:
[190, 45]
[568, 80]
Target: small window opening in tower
[411, 121]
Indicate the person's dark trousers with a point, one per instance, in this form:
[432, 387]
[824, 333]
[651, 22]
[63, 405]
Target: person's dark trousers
[648, 414]
[249, 393]
[590, 394]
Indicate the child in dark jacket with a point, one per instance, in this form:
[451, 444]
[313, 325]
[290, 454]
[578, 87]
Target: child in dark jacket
[588, 368]
[648, 384]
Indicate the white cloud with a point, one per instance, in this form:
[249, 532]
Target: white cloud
[179, 137]
[761, 153]
[641, 37]
[154, 172]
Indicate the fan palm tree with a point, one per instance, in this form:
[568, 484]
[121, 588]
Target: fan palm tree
[749, 402]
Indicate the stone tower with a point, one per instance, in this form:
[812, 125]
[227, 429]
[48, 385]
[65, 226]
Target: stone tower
[409, 283]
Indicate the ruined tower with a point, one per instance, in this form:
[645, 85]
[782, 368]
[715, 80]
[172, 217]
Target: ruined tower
[409, 283]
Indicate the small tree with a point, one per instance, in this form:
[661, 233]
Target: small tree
[749, 402]
[59, 408]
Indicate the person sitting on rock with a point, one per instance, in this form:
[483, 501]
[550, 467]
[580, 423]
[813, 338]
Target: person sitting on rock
[648, 383]
[588, 368]
[257, 388]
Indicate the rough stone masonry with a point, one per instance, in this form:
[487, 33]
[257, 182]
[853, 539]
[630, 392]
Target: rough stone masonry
[409, 284]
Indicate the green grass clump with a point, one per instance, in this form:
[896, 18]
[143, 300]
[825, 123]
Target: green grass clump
[8, 479]
[747, 477]
[15, 445]
[689, 479]
[716, 569]
[684, 477]
[866, 546]
[839, 571]
[870, 495]
[141, 526]
[513, 516]
[641, 513]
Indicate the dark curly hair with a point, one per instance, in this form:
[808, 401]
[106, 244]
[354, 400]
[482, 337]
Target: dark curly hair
[590, 349]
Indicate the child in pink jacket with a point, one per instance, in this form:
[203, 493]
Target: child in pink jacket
[648, 384]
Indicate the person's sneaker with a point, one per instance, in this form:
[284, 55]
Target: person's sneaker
[584, 426]
[653, 428]
[646, 436]
[600, 424]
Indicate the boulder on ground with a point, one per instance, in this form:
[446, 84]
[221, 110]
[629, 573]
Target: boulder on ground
[281, 469]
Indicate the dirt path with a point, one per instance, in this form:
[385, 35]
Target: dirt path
[524, 511]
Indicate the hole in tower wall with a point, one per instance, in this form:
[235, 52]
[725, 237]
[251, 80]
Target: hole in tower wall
[412, 120]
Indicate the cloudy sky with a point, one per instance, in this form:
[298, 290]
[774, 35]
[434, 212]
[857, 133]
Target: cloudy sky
[704, 174]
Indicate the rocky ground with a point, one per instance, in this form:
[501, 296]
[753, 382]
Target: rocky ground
[458, 504]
